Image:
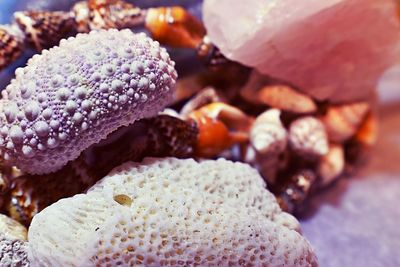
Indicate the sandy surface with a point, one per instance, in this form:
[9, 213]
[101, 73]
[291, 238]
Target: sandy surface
[356, 222]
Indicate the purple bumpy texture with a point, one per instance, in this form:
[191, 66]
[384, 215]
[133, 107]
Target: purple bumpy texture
[74, 95]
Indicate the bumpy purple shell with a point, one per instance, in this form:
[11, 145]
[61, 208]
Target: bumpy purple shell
[74, 95]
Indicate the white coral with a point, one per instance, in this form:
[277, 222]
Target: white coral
[170, 212]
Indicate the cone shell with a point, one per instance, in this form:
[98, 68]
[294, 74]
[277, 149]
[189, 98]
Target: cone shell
[12, 229]
[174, 26]
[29, 194]
[267, 134]
[342, 122]
[11, 47]
[296, 190]
[286, 98]
[170, 136]
[331, 165]
[98, 14]
[308, 138]
[368, 131]
[159, 136]
[220, 126]
[206, 96]
[45, 29]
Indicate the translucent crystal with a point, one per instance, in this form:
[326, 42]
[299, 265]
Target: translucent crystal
[332, 49]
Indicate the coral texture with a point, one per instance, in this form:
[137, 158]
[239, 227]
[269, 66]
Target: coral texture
[74, 95]
[170, 212]
[13, 252]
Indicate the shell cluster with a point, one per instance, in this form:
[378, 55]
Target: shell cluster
[170, 212]
[74, 95]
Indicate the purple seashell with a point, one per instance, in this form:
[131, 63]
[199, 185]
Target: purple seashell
[42, 132]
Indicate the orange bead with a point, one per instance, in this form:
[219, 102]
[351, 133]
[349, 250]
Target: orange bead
[174, 26]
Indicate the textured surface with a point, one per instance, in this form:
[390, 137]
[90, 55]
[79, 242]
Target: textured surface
[13, 252]
[324, 47]
[74, 95]
[358, 217]
[12, 229]
[170, 211]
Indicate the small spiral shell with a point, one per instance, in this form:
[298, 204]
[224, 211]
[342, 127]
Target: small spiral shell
[45, 29]
[308, 138]
[268, 135]
[342, 122]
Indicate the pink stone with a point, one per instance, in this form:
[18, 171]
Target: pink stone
[331, 49]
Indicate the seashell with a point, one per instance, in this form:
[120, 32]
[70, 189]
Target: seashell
[99, 14]
[308, 138]
[204, 97]
[268, 165]
[170, 136]
[342, 122]
[267, 134]
[286, 98]
[74, 95]
[13, 252]
[210, 54]
[12, 229]
[167, 212]
[174, 26]
[331, 165]
[45, 29]
[296, 190]
[220, 126]
[261, 89]
[250, 89]
[367, 133]
[159, 136]
[11, 46]
[29, 194]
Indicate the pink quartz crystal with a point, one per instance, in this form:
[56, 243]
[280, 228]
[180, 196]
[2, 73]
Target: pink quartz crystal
[331, 49]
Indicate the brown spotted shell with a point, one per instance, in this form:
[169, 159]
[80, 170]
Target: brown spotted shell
[44, 29]
[296, 190]
[29, 194]
[99, 14]
[11, 47]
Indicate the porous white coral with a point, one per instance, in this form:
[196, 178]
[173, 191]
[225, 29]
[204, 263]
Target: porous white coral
[13, 252]
[74, 95]
[170, 212]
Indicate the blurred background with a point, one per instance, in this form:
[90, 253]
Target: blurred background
[355, 221]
